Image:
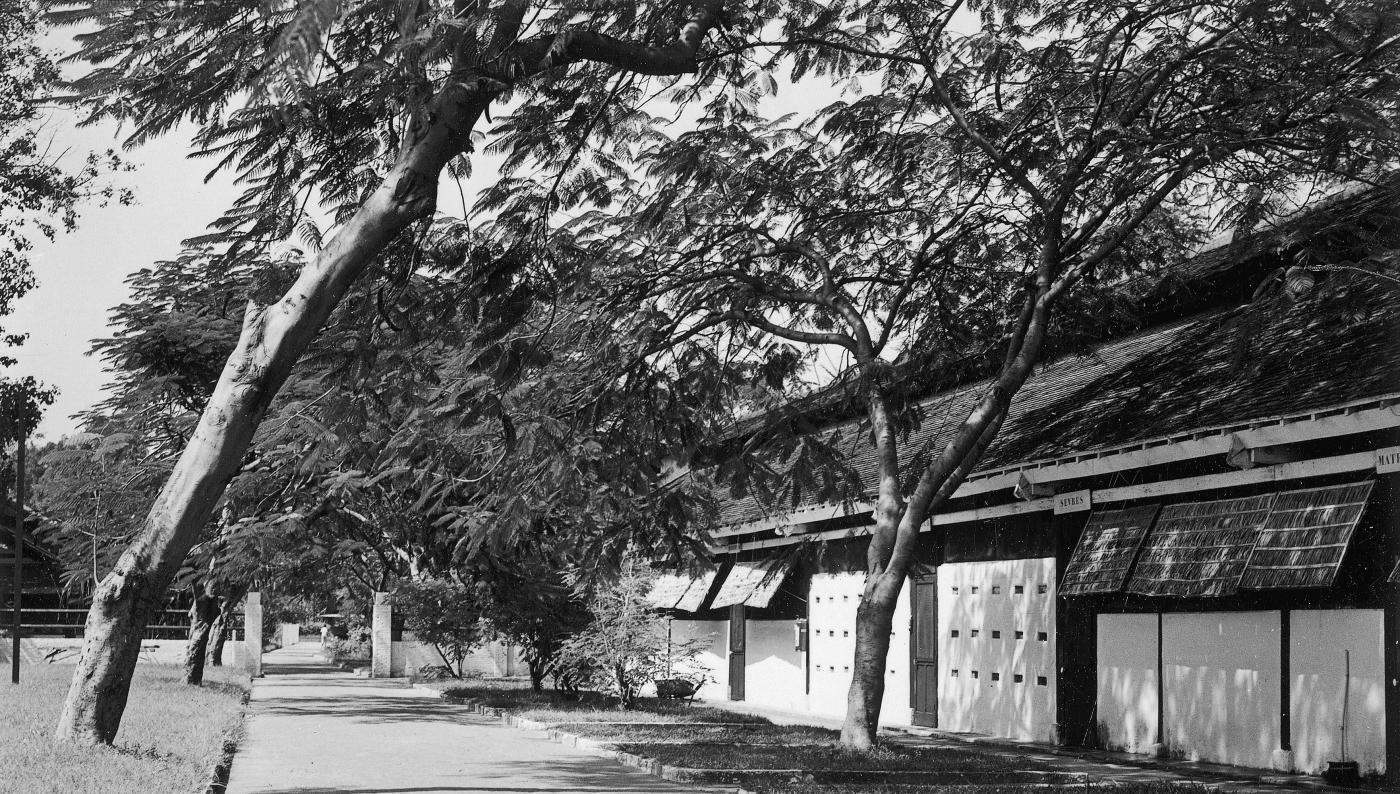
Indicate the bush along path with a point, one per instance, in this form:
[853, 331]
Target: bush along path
[716, 746]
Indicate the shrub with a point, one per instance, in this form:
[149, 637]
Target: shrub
[626, 645]
[444, 614]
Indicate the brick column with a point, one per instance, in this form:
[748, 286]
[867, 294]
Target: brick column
[382, 638]
[252, 633]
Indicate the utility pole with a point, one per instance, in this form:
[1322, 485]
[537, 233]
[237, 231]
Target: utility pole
[19, 559]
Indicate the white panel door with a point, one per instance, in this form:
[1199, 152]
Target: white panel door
[1127, 681]
[996, 623]
[1220, 681]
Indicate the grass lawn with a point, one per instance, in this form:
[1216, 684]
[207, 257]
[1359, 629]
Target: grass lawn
[172, 735]
[553, 707]
[647, 710]
[701, 755]
[681, 732]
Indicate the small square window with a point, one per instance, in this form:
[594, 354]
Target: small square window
[955, 589]
[831, 632]
[846, 668]
[975, 632]
[996, 635]
[953, 673]
[819, 599]
[845, 633]
[1019, 589]
[1020, 635]
[996, 589]
[1042, 588]
[996, 676]
[974, 673]
[1041, 680]
[1017, 678]
[1041, 636]
[845, 598]
[974, 589]
[955, 632]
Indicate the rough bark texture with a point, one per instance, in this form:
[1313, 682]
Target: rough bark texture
[218, 634]
[203, 614]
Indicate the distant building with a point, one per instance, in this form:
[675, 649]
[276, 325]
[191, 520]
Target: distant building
[1179, 543]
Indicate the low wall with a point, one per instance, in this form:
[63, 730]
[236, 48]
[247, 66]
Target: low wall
[493, 659]
[65, 650]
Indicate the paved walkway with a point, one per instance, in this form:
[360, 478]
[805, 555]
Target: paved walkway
[313, 729]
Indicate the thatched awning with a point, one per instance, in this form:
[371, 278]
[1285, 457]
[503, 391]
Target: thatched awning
[1105, 552]
[752, 584]
[681, 591]
[1305, 537]
[1200, 548]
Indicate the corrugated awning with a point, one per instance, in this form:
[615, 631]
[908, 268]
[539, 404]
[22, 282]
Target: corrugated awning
[752, 584]
[1200, 548]
[681, 591]
[1305, 537]
[1105, 552]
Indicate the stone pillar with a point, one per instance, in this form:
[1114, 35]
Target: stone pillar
[382, 638]
[252, 633]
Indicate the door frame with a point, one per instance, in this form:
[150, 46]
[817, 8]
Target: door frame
[927, 719]
[738, 647]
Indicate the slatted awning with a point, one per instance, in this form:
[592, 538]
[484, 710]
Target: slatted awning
[1305, 537]
[752, 584]
[678, 590]
[1395, 574]
[1105, 552]
[1200, 548]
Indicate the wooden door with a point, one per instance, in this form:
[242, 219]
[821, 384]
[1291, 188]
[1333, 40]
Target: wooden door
[738, 659]
[923, 650]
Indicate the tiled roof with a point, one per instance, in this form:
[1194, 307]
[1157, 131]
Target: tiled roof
[1220, 368]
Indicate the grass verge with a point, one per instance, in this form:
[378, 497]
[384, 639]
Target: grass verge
[711, 733]
[932, 760]
[172, 735]
[1003, 788]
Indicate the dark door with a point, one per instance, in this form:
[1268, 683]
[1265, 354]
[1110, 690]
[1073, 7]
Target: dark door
[737, 657]
[923, 650]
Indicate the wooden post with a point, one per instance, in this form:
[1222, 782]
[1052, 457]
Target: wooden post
[19, 561]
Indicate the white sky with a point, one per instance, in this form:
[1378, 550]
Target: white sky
[81, 274]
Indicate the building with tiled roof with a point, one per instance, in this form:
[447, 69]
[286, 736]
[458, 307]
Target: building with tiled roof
[1180, 543]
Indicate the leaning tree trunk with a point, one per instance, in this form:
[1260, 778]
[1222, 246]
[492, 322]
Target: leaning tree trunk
[204, 613]
[275, 336]
[272, 339]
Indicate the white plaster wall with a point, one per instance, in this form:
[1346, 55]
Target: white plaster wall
[832, 603]
[771, 659]
[65, 650]
[713, 660]
[1127, 681]
[1317, 664]
[492, 659]
[980, 601]
[1220, 675]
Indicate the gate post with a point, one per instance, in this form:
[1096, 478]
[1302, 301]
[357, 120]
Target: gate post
[382, 638]
[252, 633]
